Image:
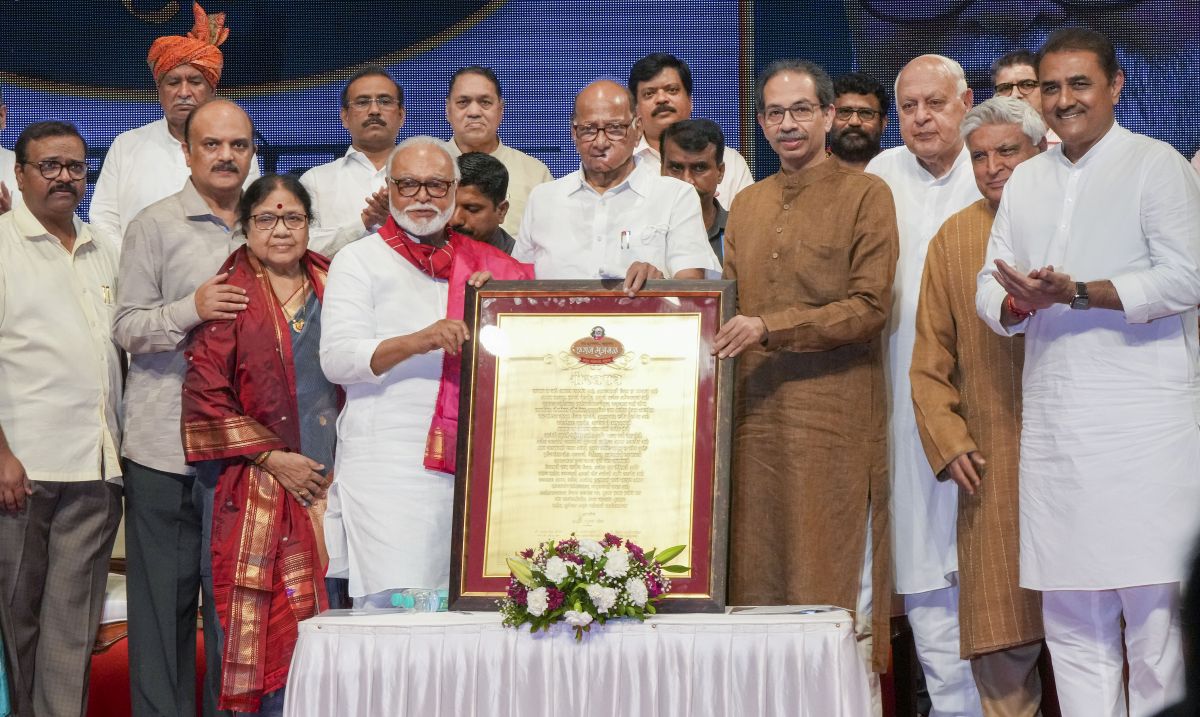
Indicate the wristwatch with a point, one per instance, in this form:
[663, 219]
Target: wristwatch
[1081, 300]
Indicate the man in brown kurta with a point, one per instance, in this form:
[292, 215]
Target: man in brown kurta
[966, 388]
[813, 249]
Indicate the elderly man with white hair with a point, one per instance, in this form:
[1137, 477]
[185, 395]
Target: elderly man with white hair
[966, 388]
[930, 178]
[391, 334]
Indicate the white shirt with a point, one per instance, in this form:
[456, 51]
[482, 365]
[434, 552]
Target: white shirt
[395, 524]
[737, 173]
[1110, 494]
[59, 368]
[142, 166]
[524, 173]
[570, 231]
[8, 164]
[924, 510]
[339, 192]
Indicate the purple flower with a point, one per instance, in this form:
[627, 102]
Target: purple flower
[573, 558]
[637, 553]
[568, 545]
[653, 586]
[610, 540]
[554, 599]
[517, 592]
[527, 553]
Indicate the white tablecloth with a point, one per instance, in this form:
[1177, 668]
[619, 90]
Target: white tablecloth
[468, 664]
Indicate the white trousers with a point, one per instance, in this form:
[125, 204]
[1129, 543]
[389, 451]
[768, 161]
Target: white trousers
[933, 617]
[863, 618]
[1083, 632]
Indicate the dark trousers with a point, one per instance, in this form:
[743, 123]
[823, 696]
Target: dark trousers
[53, 570]
[164, 555]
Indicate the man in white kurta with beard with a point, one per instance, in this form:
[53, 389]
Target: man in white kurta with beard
[931, 179]
[1095, 256]
[384, 336]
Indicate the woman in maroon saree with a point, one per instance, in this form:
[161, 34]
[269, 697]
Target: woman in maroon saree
[258, 414]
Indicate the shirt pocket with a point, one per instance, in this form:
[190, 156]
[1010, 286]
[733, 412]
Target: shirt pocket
[648, 244]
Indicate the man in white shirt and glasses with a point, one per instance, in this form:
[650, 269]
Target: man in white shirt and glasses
[349, 194]
[60, 472]
[1095, 257]
[606, 220]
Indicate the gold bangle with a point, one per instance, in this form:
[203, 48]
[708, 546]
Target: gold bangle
[262, 458]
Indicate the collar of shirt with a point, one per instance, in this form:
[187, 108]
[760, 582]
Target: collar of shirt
[31, 227]
[635, 181]
[718, 227]
[962, 160]
[354, 154]
[456, 151]
[645, 151]
[1113, 136]
[162, 134]
[197, 210]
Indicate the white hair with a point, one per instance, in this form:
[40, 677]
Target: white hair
[1005, 110]
[951, 66]
[424, 139]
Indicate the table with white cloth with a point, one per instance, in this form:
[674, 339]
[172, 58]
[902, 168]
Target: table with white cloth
[799, 664]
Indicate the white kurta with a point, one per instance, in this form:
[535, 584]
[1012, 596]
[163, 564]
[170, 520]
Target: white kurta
[395, 522]
[1110, 494]
[8, 163]
[737, 172]
[339, 191]
[924, 510]
[143, 165]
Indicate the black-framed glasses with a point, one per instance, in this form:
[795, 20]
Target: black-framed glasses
[51, 168]
[1022, 86]
[266, 222]
[408, 187]
[801, 112]
[615, 131]
[385, 102]
[910, 12]
[865, 114]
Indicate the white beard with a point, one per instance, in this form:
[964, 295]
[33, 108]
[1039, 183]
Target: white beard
[422, 227]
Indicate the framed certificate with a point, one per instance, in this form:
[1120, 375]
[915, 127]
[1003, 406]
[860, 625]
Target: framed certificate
[586, 411]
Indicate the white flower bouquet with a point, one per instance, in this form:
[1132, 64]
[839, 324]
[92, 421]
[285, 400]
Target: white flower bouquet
[582, 582]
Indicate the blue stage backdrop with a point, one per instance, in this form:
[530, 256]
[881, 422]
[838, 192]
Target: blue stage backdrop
[84, 60]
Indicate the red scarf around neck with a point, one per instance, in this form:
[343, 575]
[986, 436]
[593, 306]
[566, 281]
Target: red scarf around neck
[432, 260]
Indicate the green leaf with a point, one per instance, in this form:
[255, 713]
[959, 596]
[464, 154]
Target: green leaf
[670, 554]
[649, 556]
[675, 568]
[650, 609]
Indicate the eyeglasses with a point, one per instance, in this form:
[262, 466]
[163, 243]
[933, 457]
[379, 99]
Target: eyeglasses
[51, 168]
[908, 12]
[799, 112]
[385, 102]
[1024, 87]
[615, 131]
[408, 187]
[865, 114]
[267, 222]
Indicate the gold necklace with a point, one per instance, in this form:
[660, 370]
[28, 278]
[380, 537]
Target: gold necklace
[296, 318]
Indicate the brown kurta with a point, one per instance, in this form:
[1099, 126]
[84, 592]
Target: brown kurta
[966, 386]
[814, 254]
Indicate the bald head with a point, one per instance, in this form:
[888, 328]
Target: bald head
[604, 94]
[932, 98]
[422, 193]
[219, 147]
[222, 111]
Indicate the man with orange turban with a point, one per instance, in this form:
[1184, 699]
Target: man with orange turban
[146, 164]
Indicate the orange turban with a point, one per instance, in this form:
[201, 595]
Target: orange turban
[198, 48]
